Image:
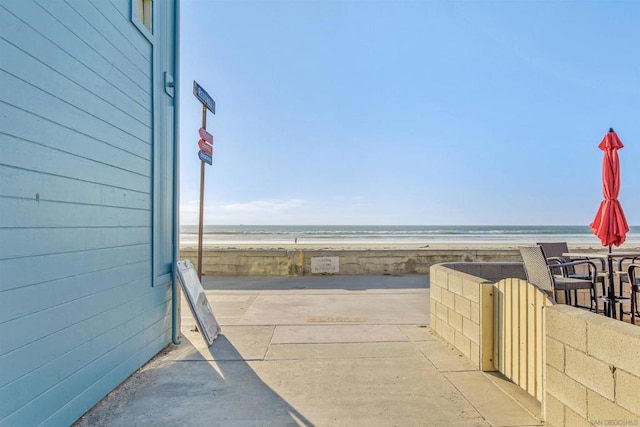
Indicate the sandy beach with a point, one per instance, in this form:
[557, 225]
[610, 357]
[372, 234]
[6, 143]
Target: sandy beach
[392, 237]
[360, 246]
[293, 250]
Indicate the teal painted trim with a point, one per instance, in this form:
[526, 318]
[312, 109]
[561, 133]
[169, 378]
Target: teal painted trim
[154, 139]
[163, 145]
[140, 26]
[154, 177]
[176, 175]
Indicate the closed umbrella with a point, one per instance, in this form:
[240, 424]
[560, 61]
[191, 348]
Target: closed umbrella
[610, 224]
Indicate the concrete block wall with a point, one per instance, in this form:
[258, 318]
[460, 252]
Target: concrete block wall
[462, 313]
[592, 369]
[491, 271]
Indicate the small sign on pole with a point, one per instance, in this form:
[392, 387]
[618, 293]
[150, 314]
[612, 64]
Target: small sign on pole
[205, 135]
[204, 97]
[205, 154]
[205, 157]
[205, 146]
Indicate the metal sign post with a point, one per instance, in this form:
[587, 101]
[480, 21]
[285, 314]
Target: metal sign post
[205, 154]
[200, 220]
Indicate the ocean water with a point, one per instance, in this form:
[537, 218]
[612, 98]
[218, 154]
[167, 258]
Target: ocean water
[363, 234]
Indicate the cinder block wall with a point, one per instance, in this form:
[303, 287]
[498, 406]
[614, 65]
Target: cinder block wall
[592, 369]
[461, 312]
[491, 271]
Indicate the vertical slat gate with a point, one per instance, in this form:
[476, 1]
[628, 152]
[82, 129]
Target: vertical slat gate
[531, 337]
[507, 331]
[542, 300]
[523, 351]
[498, 336]
[518, 333]
[515, 330]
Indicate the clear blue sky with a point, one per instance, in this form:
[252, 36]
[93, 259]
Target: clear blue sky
[409, 112]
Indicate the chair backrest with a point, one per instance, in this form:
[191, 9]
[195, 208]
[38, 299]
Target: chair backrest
[633, 270]
[555, 250]
[536, 267]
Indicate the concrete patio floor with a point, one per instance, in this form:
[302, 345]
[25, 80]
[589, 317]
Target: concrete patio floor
[314, 351]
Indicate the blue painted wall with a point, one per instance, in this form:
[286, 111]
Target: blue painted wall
[86, 155]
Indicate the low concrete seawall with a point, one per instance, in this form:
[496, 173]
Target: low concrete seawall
[282, 262]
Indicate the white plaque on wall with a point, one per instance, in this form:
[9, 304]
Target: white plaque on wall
[325, 264]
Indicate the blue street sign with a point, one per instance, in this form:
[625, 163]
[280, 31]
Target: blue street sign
[204, 97]
[205, 157]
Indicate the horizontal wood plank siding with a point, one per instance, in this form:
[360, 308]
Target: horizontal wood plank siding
[58, 382]
[43, 104]
[149, 343]
[78, 309]
[55, 293]
[38, 241]
[19, 153]
[32, 71]
[65, 189]
[99, 18]
[60, 214]
[52, 319]
[29, 21]
[101, 148]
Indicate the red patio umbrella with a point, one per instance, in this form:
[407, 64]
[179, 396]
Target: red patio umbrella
[610, 224]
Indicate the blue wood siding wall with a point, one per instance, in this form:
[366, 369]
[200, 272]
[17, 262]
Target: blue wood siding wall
[78, 309]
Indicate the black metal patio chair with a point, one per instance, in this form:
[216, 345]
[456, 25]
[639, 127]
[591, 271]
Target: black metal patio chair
[633, 277]
[538, 271]
[554, 252]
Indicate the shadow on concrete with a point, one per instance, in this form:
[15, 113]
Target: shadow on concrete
[183, 386]
[229, 391]
[323, 282]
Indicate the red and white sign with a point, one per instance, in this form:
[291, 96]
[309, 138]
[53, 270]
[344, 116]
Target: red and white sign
[206, 147]
[205, 135]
